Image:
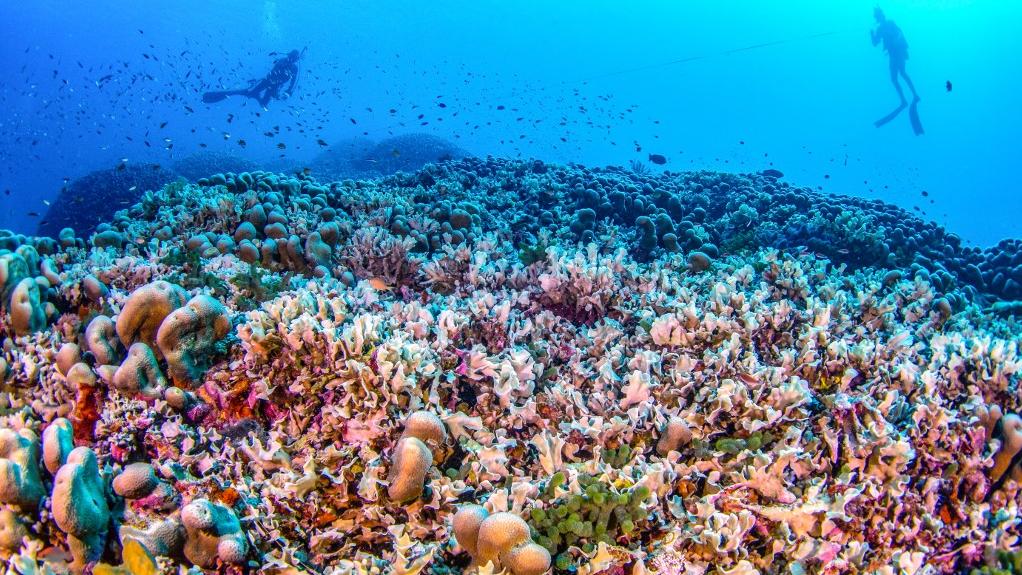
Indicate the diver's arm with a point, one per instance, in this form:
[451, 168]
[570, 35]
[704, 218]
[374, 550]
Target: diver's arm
[291, 85]
[875, 35]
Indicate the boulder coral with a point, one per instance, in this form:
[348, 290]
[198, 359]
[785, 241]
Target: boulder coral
[502, 539]
[101, 339]
[675, 434]
[13, 269]
[138, 482]
[139, 373]
[58, 442]
[213, 534]
[80, 508]
[20, 481]
[419, 446]
[145, 310]
[188, 336]
[12, 532]
[28, 314]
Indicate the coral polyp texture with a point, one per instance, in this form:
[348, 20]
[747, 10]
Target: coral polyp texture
[492, 365]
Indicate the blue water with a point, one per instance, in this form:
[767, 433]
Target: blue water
[738, 86]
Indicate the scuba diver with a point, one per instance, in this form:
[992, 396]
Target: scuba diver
[285, 71]
[897, 53]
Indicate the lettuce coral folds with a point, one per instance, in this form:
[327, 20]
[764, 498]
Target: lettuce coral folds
[569, 370]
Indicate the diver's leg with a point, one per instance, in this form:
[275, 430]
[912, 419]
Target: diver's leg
[256, 90]
[894, 80]
[264, 98]
[904, 74]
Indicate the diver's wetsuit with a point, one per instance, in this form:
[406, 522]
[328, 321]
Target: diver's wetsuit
[897, 52]
[285, 71]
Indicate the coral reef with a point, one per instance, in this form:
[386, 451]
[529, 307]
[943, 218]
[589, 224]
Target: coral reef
[87, 201]
[490, 364]
[363, 158]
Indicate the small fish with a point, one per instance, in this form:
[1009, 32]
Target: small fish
[33, 214]
[282, 146]
[47, 202]
[322, 142]
[658, 159]
[132, 188]
[242, 143]
[379, 284]
[948, 85]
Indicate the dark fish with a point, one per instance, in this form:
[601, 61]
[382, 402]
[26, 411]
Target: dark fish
[33, 214]
[163, 125]
[658, 159]
[282, 146]
[772, 173]
[321, 142]
[948, 85]
[242, 143]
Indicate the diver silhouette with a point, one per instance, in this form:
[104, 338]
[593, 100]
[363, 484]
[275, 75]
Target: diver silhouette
[896, 47]
[285, 71]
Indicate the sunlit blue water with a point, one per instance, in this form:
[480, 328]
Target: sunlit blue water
[736, 85]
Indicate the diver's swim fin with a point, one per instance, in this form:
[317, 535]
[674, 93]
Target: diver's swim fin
[913, 116]
[214, 97]
[890, 116]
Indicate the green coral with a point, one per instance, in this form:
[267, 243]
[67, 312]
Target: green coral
[1007, 563]
[529, 254]
[736, 445]
[619, 457]
[258, 285]
[193, 274]
[601, 513]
